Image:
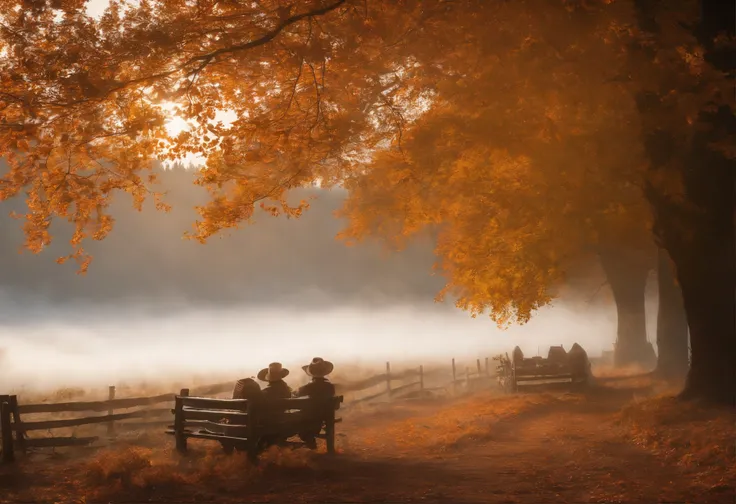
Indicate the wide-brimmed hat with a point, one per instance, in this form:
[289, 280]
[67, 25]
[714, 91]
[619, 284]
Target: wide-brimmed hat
[274, 372]
[318, 367]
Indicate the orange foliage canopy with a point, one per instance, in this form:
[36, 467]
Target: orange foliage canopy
[81, 113]
[525, 163]
[508, 128]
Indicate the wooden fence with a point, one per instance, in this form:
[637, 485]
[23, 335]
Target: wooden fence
[146, 412]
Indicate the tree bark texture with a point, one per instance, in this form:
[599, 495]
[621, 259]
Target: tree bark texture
[673, 346]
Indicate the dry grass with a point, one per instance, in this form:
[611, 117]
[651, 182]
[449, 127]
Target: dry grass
[608, 370]
[141, 474]
[452, 425]
[147, 469]
[698, 437]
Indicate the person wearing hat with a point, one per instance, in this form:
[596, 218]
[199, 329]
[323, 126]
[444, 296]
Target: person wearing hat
[319, 386]
[277, 388]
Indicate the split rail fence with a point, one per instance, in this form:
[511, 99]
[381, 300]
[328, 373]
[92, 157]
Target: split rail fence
[145, 412]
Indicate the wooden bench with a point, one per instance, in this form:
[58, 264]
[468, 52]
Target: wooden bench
[243, 424]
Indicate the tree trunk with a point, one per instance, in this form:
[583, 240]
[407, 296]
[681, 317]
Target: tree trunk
[627, 275]
[706, 263]
[701, 240]
[709, 293]
[673, 346]
[699, 233]
[705, 260]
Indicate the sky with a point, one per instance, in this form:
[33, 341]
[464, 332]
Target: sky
[96, 8]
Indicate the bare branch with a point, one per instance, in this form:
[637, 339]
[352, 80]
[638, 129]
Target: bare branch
[293, 88]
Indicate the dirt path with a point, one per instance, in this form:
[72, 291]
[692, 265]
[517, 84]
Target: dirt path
[566, 452]
[549, 449]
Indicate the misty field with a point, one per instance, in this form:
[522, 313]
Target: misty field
[628, 441]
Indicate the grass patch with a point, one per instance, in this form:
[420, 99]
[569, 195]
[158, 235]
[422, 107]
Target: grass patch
[698, 437]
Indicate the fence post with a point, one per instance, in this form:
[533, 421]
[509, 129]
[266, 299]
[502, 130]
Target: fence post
[388, 379]
[454, 377]
[181, 439]
[110, 411]
[487, 374]
[7, 429]
[19, 432]
[421, 380]
[252, 442]
[477, 362]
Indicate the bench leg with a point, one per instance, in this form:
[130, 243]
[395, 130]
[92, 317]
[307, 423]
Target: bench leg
[253, 449]
[181, 443]
[229, 448]
[330, 437]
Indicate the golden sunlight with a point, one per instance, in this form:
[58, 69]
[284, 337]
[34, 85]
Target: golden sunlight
[175, 125]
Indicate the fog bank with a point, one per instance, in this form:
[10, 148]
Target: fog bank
[104, 347]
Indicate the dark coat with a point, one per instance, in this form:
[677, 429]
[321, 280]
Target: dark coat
[318, 387]
[276, 390]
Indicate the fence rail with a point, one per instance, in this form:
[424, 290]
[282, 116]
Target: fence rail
[82, 406]
[74, 422]
[14, 430]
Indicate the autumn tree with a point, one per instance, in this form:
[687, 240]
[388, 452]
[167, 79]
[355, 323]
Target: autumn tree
[520, 168]
[514, 106]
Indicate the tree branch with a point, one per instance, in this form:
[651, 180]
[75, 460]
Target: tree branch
[204, 60]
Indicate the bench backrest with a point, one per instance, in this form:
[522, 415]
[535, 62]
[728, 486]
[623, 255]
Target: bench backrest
[237, 411]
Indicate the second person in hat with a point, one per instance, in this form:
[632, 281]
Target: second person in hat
[277, 388]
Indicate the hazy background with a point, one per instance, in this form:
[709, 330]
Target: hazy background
[154, 305]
